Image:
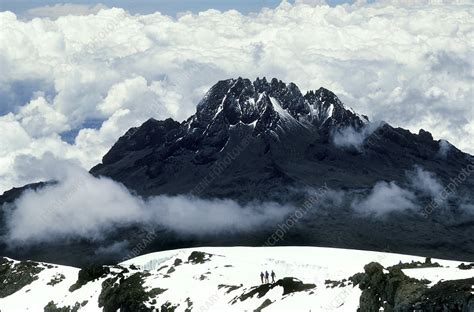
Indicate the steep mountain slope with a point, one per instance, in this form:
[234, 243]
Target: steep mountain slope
[228, 279]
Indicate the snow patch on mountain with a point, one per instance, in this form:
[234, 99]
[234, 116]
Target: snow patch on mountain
[224, 279]
[274, 104]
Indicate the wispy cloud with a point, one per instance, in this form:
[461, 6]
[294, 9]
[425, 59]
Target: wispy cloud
[82, 206]
[385, 197]
[350, 137]
[444, 148]
[425, 181]
[63, 9]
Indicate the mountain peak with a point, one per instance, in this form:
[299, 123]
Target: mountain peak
[238, 107]
[239, 100]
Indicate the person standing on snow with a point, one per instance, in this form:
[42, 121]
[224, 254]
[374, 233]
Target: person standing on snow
[266, 277]
[261, 276]
[273, 277]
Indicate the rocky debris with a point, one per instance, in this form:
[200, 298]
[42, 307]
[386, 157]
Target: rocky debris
[416, 265]
[177, 262]
[333, 284]
[168, 307]
[56, 279]
[198, 257]
[89, 274]
[289, 285]
[52, 307]
[264, 304]
[453, 296]
[391, 290]
[356, 278]
[190, 305]
[15, 275]
[463, 266]
[230, 288]
[162, 268]
[126, 293]
[258, 291]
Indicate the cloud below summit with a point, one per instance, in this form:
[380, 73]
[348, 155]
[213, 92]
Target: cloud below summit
[408, 65]
[81, 206]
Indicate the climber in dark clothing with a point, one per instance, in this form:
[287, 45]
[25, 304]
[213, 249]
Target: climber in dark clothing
[273, 277]
[266, 277]
[261, 276]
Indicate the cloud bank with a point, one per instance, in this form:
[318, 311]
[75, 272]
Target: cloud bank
[408, 64]
[425, 182]
[83, 206]
[422, 192]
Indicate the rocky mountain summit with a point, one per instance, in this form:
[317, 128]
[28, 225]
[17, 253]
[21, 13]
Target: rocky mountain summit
[277, 137]
[235, 115]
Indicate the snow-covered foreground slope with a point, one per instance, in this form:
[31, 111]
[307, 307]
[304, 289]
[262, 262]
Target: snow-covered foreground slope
[217, 279]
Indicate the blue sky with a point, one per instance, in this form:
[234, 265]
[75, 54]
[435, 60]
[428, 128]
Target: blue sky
[169, 7]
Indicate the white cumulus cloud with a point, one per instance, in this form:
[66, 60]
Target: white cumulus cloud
[384, 198]
[39, 119]
[408, 64]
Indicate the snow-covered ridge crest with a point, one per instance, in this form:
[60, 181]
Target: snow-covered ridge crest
[242, 101]
[227, 279]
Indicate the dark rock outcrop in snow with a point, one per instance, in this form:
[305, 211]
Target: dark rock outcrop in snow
[394, 291]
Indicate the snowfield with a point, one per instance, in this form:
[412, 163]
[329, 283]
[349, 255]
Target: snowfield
[216, 278]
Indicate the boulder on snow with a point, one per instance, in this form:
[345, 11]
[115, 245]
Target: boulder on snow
[391, 290]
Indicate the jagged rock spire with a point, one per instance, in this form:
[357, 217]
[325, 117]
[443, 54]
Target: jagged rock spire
[242, 101]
